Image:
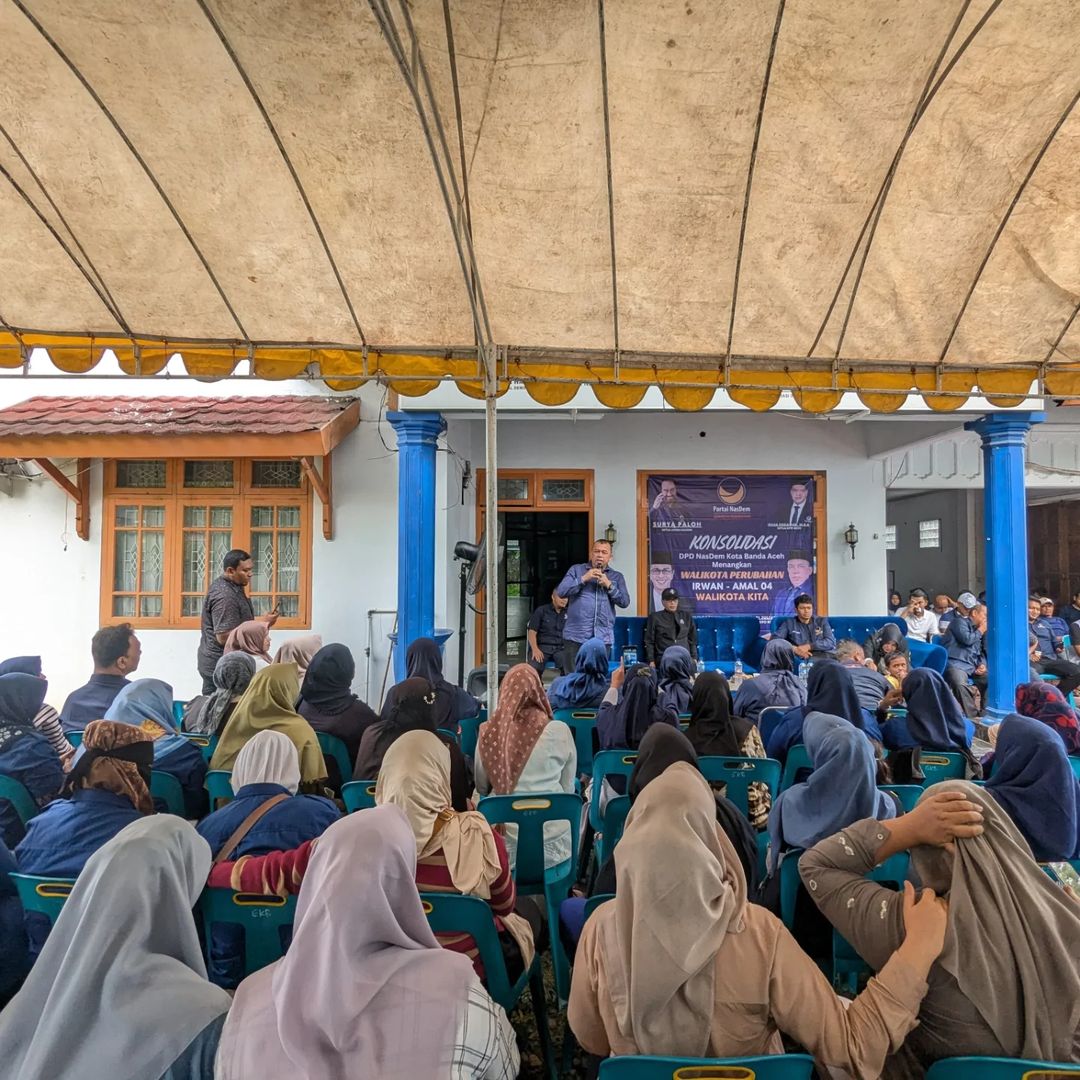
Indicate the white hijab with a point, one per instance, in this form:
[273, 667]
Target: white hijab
[269, 757]
[119, 990]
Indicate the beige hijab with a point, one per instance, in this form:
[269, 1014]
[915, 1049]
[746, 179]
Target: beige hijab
[680, 891]
[1013, 936]
[250, 637]
[415, 777]
[299, 651]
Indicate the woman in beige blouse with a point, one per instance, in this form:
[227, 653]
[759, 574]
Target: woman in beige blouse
[680, 964]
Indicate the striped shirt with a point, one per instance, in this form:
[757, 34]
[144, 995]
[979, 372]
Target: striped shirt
[47, 722]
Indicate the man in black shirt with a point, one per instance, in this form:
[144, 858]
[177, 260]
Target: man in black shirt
[545, 634]
[672, 626]
[225, 607]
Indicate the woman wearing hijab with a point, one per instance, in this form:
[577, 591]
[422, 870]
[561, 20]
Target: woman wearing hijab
[888, 641]
[1046, 703]
[250, 637]
[268, 704]
[522, 749]
[621, 725]
[328, 704]
[47, 720]
[147, 704]
[676, 676]
[365, 990]
[714, 732]
[830, 690]
[934, 719]
[1006, 983]
[696, 971]
[208, 715]
[412, 709]
[584, 687]
[423, 660]
[299, 651]
[776, 686]
[14, 955]
[457, 853]
[1035, 784]
[120, 989]
[25, 754]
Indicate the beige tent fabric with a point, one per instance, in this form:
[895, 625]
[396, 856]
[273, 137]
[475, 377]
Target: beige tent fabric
[913, 204]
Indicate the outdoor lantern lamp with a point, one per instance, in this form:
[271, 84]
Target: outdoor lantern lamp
[851, 538]
[610, 535]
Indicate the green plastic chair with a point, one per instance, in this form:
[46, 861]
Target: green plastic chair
[178, 708]
[907, 794]
[358, 795]
[530, 813]
[43, 895]
[770, 1067]
[74, 737]
[582, 723]
[469, 733]
[449, 734]
[207, 744]
[333, 747]
[595, 901]
[937, 765]
[797, 761]
[614, 821]
[14, 791]
[259, 917]
[993, 1068]
[606, 763]
[166, 787]
[218, 784]
[738, 773]
[449, 913]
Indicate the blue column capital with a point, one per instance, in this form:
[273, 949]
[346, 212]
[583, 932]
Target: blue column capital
[1005, 428]
[417, 427]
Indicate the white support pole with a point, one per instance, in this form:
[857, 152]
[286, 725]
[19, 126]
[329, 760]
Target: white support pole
[491, 518]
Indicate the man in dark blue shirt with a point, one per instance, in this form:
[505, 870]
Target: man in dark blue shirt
[116, 652]
[545, 635]
[811, 635]
[1048, 656]
[963, 642]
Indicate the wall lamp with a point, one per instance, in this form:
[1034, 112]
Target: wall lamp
[851, 538]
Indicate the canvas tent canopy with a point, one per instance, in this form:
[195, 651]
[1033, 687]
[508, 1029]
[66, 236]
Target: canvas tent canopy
[817, 195]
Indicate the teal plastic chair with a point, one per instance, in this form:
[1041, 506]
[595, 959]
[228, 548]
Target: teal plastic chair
[21, 800]
[797, 761]
[445, 731]
[530, 813]
[178, 708]
[738, 773]
[259, 917]
[358, 795]
[469, 733]
[907, 794]
[218, 784]
[938, 765]
[207, 744]
[582, 723]
[614, 821]
[333, 747]
[992, 1068]
[595, 901]
[166, 787]
[449, 913]
[74, 737]
[769, 717]
[770, 1067]
[43, 895]
[1075, 763]
[606, 763]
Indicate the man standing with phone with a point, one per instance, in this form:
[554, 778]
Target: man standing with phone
[594, 590]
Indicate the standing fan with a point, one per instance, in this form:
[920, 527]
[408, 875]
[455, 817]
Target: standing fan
[473, 576]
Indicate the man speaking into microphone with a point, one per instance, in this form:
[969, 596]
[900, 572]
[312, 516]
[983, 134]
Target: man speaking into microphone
[594, 591]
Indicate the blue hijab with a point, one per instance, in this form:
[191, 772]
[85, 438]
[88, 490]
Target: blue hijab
[1035, 785]
[585, 686]
[676, 671]
[776, 686]
[148, 705]
[934, 718]
[24, 665]
[841, 790]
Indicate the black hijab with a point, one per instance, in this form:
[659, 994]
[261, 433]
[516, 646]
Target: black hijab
[328, 683]
[639, 708]
[831, 690]
[21, 697]
[713, 730]
[423, 660]
[24, 665]
[892, 633]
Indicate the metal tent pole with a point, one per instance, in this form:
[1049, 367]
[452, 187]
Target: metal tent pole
[491, 519]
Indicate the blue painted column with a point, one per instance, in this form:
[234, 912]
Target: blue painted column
[1004, 437]
[416, 435]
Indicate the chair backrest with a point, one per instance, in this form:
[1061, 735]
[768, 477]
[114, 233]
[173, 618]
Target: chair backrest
[937, 765]
[768, 718]
[207, 744]
[74, 737]
[797, 761]
[582, 724]
[993, 1068]
[607, 763]
[218, 784]
[530, 813]
[770, 1067]
[907, 794]
[595, 901]
[469, 729]
[451, 913]
[614, 821]
[926, 654]
[629, 630]
[738, 773]
[332, 746]
[1075, 763]
[446, 733]
[358, 795]
[260, 918]
[178, 708]
[43, 895]
[14, 791]
[166, 787]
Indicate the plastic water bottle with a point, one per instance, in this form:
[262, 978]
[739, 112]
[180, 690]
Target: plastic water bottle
[804, 672]
[700, 666]
[738, 675]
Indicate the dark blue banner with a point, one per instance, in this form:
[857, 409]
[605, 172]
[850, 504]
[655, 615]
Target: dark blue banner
[732, 544]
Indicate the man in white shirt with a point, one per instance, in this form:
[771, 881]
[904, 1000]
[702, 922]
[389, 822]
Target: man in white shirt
[922, 623]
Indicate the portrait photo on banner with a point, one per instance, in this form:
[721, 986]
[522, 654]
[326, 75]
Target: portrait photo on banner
[730, 543]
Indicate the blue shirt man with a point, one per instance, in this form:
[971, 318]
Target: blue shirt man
[594, 591]
[810, 634]
[116, 652]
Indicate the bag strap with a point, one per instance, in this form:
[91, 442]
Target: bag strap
[246, 826]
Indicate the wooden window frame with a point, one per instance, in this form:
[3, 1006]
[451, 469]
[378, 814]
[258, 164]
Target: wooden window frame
[536, 478]
[241, 497]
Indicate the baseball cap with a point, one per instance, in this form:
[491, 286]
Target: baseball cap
[1045, 600]
[669, 594]
[967, 600]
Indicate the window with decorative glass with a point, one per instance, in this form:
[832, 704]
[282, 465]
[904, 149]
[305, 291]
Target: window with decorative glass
[168, 524]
